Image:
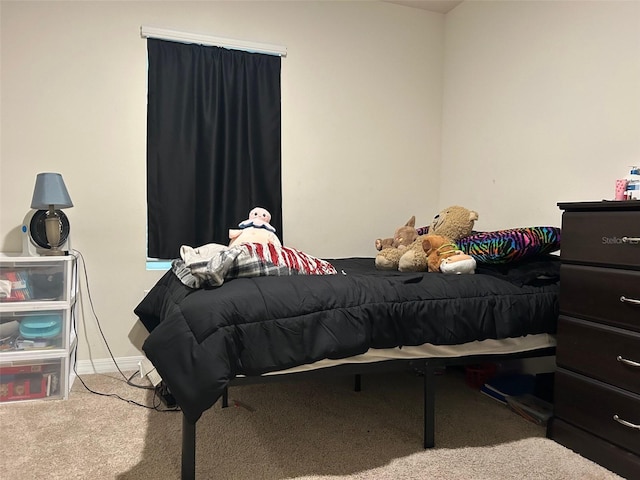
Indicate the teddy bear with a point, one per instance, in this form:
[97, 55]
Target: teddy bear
[454, 222]
[443, 256]
[402, 237]
[391, 249]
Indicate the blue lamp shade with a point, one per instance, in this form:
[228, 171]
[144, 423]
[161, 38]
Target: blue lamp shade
[50, 190]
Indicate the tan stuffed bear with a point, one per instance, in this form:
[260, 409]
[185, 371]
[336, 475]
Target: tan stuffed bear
[454, 222]
[391, 249]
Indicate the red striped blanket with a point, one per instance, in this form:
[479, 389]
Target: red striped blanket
[248, 260]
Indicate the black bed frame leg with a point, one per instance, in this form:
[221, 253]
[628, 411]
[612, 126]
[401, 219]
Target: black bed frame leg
[357, 382]
[225, 397]
[188, 449]
[429, 405]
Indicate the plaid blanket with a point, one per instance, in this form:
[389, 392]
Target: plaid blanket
[249, 260]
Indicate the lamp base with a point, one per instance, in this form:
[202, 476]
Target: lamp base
[52, 252]
[53, 230]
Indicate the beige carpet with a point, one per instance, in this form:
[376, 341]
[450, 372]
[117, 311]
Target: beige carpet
[318, 429]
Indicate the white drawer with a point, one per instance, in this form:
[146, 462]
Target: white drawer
[32, 380]
[36, 279]
[32, 330]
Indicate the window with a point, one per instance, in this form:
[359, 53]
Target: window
[213, 143]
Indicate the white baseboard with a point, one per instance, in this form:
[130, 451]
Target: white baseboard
[106, 365]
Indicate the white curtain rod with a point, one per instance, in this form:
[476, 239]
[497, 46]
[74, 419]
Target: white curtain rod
[185, 37]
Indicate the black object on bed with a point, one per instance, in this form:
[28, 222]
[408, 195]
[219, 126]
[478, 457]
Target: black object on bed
[201, 339]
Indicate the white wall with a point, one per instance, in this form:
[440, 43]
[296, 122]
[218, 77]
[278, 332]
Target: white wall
[541, 105]
[538, 102]
[361, 110]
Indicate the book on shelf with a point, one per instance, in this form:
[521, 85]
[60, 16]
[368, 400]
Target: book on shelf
[501, 387]
[16, 369]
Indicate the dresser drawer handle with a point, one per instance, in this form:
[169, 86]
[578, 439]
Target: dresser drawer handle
[631, 240]
[633, 301]
[625, 423]
[631, 363]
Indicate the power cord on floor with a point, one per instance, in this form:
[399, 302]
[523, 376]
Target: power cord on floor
[160, 393]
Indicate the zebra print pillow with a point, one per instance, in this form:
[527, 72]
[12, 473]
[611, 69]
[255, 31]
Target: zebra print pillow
[504, 246]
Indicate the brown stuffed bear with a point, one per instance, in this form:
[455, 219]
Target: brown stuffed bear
[454, 222]
[403, 236]
[391, 249]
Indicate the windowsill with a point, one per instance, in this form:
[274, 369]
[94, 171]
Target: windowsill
[155, 264]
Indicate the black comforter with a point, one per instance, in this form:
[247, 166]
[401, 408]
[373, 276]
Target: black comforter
[201, 339]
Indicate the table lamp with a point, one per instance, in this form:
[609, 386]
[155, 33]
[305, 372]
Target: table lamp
[51, 194]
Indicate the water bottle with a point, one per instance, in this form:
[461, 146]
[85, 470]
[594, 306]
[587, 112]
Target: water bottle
[633, 184]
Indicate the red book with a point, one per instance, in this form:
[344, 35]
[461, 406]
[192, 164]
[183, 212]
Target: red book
[20, 369]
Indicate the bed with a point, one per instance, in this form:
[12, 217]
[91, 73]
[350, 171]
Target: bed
[358, 319]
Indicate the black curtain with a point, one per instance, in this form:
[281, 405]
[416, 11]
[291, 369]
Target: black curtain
[213, 143]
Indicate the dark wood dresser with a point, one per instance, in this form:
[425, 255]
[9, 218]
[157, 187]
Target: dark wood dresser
[597, 382]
